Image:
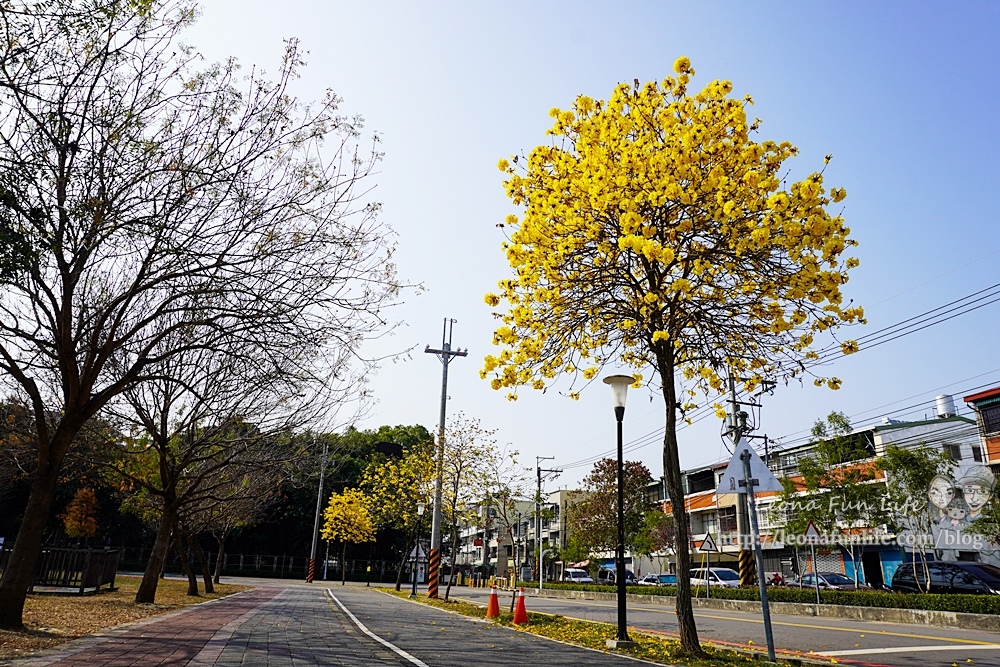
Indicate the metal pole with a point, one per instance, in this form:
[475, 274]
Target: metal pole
[765, 608]
[326, 561]
[445, 354]
[745, 565]
[812, 550]
[622, 630]
[416, 560]
[319, 505]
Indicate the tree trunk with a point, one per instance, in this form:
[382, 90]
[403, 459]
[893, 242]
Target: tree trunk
[199, 555]
[186, 565]
[157, 558]
[686, 627]
[343, 562]
[20, 570]
[454, 550]
[402, 564]
[221, 539]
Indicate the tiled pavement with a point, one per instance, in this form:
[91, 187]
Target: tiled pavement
[300, 626]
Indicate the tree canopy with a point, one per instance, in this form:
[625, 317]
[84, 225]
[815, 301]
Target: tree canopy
[657, 233]
[593, 520]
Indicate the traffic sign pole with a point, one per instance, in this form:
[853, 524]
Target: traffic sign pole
[749, 482]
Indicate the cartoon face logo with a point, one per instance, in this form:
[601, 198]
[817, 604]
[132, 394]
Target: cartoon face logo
[977, 489]
[957, 510]
[941, 491]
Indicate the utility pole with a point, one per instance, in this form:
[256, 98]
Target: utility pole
[737, 426]
[319, 506]
[445, 355]
[538, 512]
[737, 430]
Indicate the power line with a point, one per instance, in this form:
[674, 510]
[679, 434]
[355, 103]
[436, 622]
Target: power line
[961, 306]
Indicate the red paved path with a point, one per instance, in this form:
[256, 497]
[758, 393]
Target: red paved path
[170, 639]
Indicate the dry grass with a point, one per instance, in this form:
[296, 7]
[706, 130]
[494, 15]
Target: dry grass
[54, 619]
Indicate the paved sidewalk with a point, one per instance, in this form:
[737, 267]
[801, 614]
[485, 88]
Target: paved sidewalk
[169, 639]
[301, 626]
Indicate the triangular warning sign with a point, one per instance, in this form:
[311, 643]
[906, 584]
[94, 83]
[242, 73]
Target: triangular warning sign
[708, 544]
[764, 479]
[812, 534]
[418, 553]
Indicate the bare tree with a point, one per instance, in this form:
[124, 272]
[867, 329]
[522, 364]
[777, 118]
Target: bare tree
[163, 196]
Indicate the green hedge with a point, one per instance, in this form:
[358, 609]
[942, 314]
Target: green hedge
[972, 604]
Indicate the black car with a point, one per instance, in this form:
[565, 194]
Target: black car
[950, 577]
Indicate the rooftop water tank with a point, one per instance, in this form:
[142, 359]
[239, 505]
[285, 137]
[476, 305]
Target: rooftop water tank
[945, 406]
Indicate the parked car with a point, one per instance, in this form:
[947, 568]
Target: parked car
[659, 580]
[830, 581]
[576, 576]
[720, 576]
[606, 575]
[950, 577]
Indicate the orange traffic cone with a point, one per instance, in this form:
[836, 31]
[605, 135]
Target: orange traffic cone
[493, 608]
[520, 614]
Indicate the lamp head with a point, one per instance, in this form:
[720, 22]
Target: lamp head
[619, 388]
[420, 509]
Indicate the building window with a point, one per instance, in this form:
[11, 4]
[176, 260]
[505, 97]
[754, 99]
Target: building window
[727, 519]
[953, 452]
[989, 419]
[977, 453]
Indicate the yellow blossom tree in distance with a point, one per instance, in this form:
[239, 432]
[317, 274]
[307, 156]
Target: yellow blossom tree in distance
[658, 234]
[346, 518]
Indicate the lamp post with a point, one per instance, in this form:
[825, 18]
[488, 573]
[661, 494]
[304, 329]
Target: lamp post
[416, 550]
[619, 389]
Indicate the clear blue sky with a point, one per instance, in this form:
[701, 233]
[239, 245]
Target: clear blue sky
[904, 95]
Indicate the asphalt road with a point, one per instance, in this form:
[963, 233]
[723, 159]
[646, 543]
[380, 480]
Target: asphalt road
[846, 640]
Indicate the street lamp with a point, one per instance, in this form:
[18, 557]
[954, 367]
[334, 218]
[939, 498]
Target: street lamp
[619, 389]
[416, 550]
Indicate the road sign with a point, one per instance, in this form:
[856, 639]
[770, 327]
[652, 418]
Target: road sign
[812, 534]
[418, 553]
[763, 478]
[708, 544]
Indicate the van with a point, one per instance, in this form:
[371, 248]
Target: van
[576, 576]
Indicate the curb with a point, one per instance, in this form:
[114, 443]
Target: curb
[943, 619]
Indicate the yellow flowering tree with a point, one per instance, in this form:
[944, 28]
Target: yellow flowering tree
[657, 233]
[394, 487]
[346, 518]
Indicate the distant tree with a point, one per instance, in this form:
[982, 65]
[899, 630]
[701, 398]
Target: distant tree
[840, 492]
[909, 472]
[394, 487]
[467, 449]
[657, 535]
[160, 196]
[347, 519]
[506, 492]
[593, 520]
[79, 519]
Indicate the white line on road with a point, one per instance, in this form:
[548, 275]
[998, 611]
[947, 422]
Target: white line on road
[908, 649]
[361, 626]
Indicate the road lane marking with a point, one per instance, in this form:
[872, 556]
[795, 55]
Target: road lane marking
[388, 645]
[970, 642]
[908, 649]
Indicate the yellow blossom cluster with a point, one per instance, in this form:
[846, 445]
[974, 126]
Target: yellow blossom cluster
[656, 231]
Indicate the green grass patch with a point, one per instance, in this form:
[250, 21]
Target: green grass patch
[652, 647]
[970, 604]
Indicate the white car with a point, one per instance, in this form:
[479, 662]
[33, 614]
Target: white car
[719, 576]
[576, 576]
